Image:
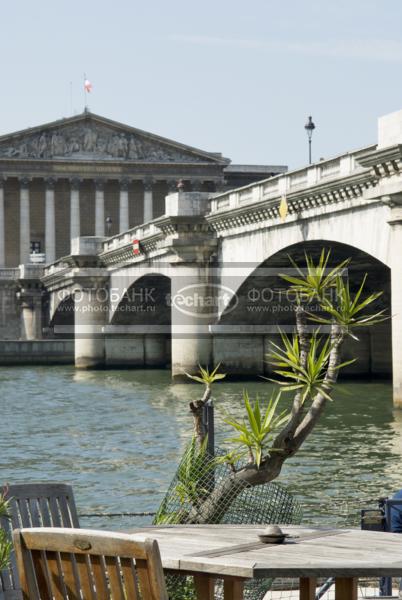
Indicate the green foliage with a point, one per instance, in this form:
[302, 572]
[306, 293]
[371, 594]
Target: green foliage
[5, 549]
[206, 377]
[304, 363]
[348, 309]
[5, 543]
[314, 281]
[180, 588]
[308, 380]
[256, 431]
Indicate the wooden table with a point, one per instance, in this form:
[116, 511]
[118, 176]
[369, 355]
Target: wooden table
[235, 554]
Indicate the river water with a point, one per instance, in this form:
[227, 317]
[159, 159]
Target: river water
[117, 436]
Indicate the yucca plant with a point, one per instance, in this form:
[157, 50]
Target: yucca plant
[348, 311]
[313, 282]
[257, 429]
[207, 378]
[308, 378]
[306, 364]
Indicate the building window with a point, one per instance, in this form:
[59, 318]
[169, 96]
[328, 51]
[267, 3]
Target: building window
[35, 248]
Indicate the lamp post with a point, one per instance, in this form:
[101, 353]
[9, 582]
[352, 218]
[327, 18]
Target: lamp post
[309, 127]
[108, 222]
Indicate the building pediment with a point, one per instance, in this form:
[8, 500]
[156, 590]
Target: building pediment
[91, 137]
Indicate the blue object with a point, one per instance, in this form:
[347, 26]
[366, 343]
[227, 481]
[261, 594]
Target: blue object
[396, 514]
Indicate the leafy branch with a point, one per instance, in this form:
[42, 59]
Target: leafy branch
[257, 429]
[207, 378]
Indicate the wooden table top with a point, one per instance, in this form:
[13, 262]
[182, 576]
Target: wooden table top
[235, 550]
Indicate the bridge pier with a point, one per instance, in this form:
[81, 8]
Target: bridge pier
[193, 294]
[31, 315]
[91, 311]
[396, 304]
[91, 303]
[30, 300]
[192, 300]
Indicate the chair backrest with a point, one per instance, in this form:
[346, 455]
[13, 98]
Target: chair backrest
[35, 505]
[58, 564]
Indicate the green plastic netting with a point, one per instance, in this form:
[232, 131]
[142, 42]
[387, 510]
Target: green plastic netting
[198, 479]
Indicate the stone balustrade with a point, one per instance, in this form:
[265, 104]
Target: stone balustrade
[123, 239]
[56, 267]
[9, 274]
[294, 181]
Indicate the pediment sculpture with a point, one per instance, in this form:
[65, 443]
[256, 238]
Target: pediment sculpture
[94, 142]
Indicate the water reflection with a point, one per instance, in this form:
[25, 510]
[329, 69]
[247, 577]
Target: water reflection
[117, 437]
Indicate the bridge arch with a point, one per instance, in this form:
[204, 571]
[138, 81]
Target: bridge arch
[260, 304]
[62, 316]
[139, 330]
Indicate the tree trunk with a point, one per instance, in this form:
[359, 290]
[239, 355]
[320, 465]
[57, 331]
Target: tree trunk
[286, 444]
[197, 410]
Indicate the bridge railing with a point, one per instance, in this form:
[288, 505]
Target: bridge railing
[123, 239]
[58, 265]
[293, 181]
[7, 274]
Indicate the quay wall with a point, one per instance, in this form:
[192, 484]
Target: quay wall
[36, 352]
[239, 355]
[10, 313]
[247, 355]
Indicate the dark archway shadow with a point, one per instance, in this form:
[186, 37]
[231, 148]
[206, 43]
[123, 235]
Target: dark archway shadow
[261, 306]
[139, 334]
[61, 325]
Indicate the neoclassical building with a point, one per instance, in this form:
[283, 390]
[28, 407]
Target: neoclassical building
[88, 175]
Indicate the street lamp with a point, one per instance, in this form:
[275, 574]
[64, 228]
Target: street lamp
[108, 225]
[309, 127]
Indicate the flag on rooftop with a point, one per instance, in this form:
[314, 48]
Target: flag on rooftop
[87, 85]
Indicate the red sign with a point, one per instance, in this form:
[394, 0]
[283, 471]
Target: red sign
[136, 247]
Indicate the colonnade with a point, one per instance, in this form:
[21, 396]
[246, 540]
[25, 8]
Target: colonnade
[50, 212]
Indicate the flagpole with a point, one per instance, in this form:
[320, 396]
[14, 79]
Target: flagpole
[85, 94]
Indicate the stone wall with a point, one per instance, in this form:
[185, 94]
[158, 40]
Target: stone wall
[41, 352]
[247, 355]
[10, 318]
[138, 351]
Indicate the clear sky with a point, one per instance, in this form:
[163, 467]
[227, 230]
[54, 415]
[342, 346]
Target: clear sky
[224, 75]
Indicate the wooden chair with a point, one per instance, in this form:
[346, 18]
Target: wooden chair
[82, 564]
[35, 505]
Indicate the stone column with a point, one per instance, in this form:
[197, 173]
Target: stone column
[90, 312]
[123, 206]
[396, 305]
[196, 185]
[50, 222]
[25, 228]
[99, 208]
[2, 226]
[172, 186]
[74, 208]
[148, 200]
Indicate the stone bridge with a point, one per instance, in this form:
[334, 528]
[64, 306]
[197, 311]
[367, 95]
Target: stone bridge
[201, 284]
